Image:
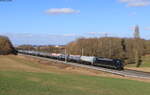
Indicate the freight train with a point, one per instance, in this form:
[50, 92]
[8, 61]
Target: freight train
[88, 60]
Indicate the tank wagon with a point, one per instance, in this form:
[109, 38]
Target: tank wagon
[63, 57]
[55, 56]
[89, 60]
[74, 58]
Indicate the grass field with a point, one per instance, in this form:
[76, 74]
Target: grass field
[146, 61]
[19, 76]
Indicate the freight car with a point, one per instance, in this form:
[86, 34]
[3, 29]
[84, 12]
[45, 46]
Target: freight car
[87, 60]
[63, 57]
[74, 58]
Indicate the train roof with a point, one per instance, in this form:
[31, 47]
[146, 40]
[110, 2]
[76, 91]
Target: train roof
[105, 59]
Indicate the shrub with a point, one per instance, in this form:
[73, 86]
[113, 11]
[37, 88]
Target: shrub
[6, 46]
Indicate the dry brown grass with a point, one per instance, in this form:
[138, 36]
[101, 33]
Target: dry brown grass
[145, 69]
[12, 63]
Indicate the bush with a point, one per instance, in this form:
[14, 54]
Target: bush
[6, 46]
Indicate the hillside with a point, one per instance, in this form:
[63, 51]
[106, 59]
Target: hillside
[21, 75]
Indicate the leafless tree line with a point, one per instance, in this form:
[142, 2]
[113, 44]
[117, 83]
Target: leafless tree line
[128, 49]
[43, 48]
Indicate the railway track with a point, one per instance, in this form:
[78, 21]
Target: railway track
[126, 72]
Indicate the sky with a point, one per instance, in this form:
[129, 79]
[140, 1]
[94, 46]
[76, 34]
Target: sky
[57, 22]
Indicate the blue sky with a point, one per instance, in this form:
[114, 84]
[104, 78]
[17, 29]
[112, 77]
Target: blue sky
[61, 21]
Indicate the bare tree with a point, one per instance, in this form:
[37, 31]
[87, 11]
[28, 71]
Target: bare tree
[138, 46]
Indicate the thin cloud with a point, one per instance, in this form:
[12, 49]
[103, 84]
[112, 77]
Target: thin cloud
[61, 11]
[98, 33]
[132, 28]
[136, 3]
[70, 35]
[132, 14]
[147, 29]
[93, 33]
[40, 38]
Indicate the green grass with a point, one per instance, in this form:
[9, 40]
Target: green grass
[34, 81]
[146, 61]
[27, 83]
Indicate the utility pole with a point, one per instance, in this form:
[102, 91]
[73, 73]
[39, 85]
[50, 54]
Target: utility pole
[65, 55]
[82, 50]
[110, 48]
